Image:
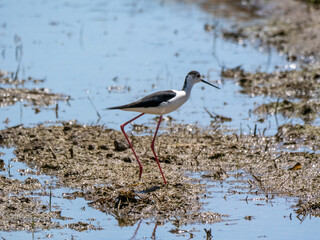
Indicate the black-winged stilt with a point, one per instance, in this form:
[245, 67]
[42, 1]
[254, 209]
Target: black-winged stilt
[160, 103]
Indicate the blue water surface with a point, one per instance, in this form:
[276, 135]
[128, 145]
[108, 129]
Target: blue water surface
[115, 52]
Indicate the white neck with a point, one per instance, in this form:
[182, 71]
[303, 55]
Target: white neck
[187, 87]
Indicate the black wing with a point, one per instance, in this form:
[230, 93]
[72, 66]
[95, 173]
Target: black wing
[152, 100]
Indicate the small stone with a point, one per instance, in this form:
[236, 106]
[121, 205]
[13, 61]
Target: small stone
[67, 128]
[1, 163]
[127, 159]
[90, 147]
[103, 147]
[120, 145]
[168, 161]
[31, 180]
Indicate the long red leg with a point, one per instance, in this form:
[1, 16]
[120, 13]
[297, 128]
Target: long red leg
[122, 129]
[154, 153]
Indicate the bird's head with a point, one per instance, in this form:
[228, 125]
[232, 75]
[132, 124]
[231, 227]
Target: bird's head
[194, 77]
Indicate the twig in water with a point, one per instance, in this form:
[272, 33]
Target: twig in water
[275, 113]
[18, 43]
[9, 167]
[50, 196]
[56, 110]
[255, 130]
[258, 180]
[98, 114]
[17, 72]
[217, 116]
[210, 114]
[208, 232]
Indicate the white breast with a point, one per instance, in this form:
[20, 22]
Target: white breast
[165, 107]
[175, 102]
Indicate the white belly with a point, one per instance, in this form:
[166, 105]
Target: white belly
[165, 107]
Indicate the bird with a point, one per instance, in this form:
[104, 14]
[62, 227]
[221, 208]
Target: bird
[160, 103]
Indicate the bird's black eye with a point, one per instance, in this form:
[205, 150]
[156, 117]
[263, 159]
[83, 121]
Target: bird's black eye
[198, 75]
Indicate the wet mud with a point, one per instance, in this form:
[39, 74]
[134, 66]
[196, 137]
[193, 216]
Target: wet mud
[298, 91]
[19, 210]
[88, 160]
[291, 26]
[96, 163]
[16, 92]
[307, 110]
[298, 84]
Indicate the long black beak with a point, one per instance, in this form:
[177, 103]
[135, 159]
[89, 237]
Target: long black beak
[209, 83]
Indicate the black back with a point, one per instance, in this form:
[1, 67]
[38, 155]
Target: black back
[152, 100]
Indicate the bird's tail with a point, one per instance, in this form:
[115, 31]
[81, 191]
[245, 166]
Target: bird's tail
[114, 108]
[111, 108]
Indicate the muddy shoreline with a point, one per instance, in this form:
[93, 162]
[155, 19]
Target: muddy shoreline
[290, 26]
[85, 159]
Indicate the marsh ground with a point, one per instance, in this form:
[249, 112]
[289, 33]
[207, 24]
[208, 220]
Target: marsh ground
[86, 158]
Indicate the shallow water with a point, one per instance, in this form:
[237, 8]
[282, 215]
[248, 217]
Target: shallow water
[251, 216]
[118, 51]
[269, 219]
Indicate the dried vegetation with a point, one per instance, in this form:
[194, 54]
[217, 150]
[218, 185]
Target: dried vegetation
[87, 159]
[98, 165]
[302, 85]
[17, 93]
